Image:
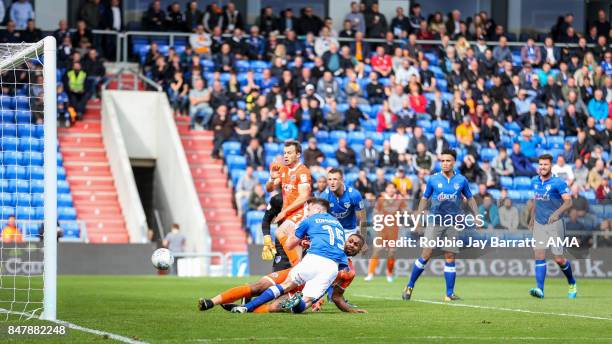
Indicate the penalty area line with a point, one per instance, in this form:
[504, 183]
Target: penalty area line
[504, 309]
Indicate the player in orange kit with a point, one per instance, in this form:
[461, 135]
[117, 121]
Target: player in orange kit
[353, 246]
[294, 180]
[389, 203]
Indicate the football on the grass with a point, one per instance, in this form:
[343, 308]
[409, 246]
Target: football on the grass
[162, 259]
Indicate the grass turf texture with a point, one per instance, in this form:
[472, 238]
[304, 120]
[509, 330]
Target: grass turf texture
[163, 310]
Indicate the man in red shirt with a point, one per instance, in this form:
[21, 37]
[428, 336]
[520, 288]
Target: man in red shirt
[381, 62]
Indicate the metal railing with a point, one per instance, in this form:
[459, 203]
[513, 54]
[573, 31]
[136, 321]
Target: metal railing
[119, 77]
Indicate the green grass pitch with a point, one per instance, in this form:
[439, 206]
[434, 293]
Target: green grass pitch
[160, 309]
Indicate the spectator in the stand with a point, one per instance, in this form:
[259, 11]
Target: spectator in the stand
[530, 54]
[502, 164]
[526, 215]
[397, 98]
[287, 21]
[320, 186]
[309, 22]
[256, 44]
[375, 90]
[257, 199]
[267, 126]
[573, 120]
[528, 145]
[90, 13]
[244, 188]
[369, 156]
[597, 174]
[334, 119]
[243, 128]
[424, 161]
[345, 155]
[603, 193]
[356, 18]
[598, 108]
[417, 137]
[31, 34]
[178, 94]
[402, 182]
[532, 120]
[399, 140]
[364, 185]
[255, 155]
[10, 34]
[563, 171]
[353, 115]
[385, 119]
[465, 132]
[225, 59]
[267, 21]
[21, 11]
[285, 128]
[75, 85]
[381, 62]
[10, 232]
[581, 173]
[95, 70]
[388, 158]
[232, 18]
[508, 215]
[400, 22]
[327, 87]
[470, 169]
[489, 134]
[223, 128]
[193, 16]
[213, 18]
[324, 42]
[521, 163]
[154, 18]
[438, 142]
[502, 53]
[313, 156]
[376, 22]
[550, 53]
[175, 20]
[82, 33]
[583, 145]
[490, 213]
[200, 109]
[488, 176]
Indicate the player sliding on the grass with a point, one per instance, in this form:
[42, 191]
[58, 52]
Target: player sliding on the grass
[318, 269]
[294, 180]
[445, 189]
[552, 199]
[354, 244]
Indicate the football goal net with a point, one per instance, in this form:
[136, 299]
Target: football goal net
[28, 180]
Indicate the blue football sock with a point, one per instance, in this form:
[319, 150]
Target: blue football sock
[449, 277]
[567, 270]
[330, 292]
[540, 272]
[417, 270]
[268, 295]
[299, 308]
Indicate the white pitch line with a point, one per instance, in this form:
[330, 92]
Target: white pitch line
[437, 338]
[490, 307]
[79, 328]
[98, 332]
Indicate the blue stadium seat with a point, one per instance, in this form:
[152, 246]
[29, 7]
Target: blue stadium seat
[40, 213]
[514, 195]
[31, 144]
[522, 183]
[71, 229]
[6, 211]
[495, 193]
[452, 140]
[25, 213]
[38, 199]
[14, 172]
[63, 187]
[259, 66]
[32, 158]
[599, 210]
[36, 172]
[236, 174]
[262, 176]
[231, 148]
[426, 125]
[514, 127]
[8, 129]
[589, 195]
[11, 158]
[7, 116]
[322, 136]
[66, 213]
[445, 125]
[356, 137]
[31, 228]
[272, 148]
[23, 199]
[350, 178]
[254, 217]
[555, 142]
[7, 102]
[9, 143]
[7, 199]
[488, 154]
[242, 66]
[38, 185]
[23, 116]
[328, 150]
[63, 200]
[330, 162]
[506, 182]
[235, 161]
[336, 135]
[22, 103]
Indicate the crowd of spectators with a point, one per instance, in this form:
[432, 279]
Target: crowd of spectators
[295, 77]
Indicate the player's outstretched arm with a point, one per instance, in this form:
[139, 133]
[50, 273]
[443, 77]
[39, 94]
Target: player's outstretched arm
[340, 302]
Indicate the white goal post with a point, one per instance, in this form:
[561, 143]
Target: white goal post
[26, 59]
